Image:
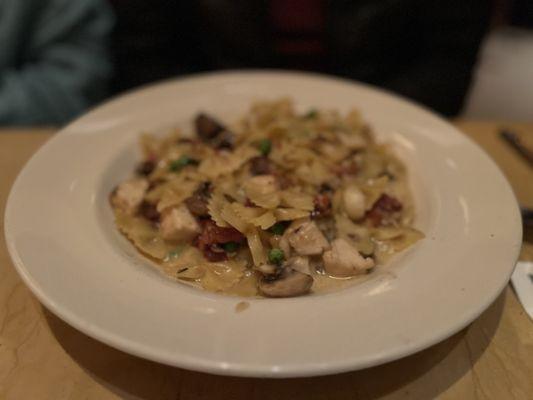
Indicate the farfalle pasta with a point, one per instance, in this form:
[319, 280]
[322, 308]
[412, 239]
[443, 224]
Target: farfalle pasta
[281, 201]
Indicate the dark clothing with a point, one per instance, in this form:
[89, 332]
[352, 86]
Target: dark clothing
[422, 49]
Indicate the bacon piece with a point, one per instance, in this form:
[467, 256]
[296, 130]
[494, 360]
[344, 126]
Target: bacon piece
[146, 167]
[149, 211]
[322, 206]
[260, 165]
[215, 253]
[348, 167]
[384, 207]
[213, 235]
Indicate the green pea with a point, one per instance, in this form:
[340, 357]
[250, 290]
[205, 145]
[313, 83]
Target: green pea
[230, 247]
[175, 253]
[278, 228]
[183, 161]
[311, 114]
[276, 256]
[265, 146]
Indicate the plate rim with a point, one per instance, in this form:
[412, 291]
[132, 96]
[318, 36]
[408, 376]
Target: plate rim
[238, 369]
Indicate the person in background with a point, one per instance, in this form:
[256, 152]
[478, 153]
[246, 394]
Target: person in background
[422, 49]
[54, 61]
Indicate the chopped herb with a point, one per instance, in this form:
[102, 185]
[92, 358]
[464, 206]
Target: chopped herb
[276, 256]
[183, 161]
[264, 145]
[183, 270]
[230, 247]
[278, 228]
[175, 253]
[311, 114]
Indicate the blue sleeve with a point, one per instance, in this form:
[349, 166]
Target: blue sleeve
[63, 66]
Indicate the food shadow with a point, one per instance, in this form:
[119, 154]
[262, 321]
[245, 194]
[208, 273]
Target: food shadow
[424, 375]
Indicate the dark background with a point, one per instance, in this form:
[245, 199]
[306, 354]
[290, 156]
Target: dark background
[425, 50]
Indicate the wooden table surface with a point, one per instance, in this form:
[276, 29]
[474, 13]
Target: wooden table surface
[41, 357]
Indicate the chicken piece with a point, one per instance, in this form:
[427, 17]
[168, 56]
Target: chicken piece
[343, 260]
[300, 264]
[178, 224]
[352, 141]
[306, 239]
[129, 195]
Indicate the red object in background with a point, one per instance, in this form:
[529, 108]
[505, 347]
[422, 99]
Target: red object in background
[297, 15]
[298, 26]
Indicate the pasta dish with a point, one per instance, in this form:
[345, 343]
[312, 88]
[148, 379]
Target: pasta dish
[275, 205]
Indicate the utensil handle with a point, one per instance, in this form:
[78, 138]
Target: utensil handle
[514, 141]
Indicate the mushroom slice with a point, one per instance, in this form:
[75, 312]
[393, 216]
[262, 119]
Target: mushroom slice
[207, 128]
[290, 283]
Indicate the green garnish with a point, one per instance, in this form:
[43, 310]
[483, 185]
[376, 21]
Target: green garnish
[264, 145]
[183, 161]
[278, 228]
[230, 247]
[276, 256]
[311, 114]
[175, 253]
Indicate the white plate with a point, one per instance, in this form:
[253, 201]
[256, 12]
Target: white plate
[63, 242]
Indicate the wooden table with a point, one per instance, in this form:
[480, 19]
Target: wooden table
[42, 357]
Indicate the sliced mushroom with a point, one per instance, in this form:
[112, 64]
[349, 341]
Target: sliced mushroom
[207, 128]
[290, 283]
[210, 130]
[226, 140]
[197, 203]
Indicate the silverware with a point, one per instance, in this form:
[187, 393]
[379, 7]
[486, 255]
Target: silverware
[522, 280]
[514, 141]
